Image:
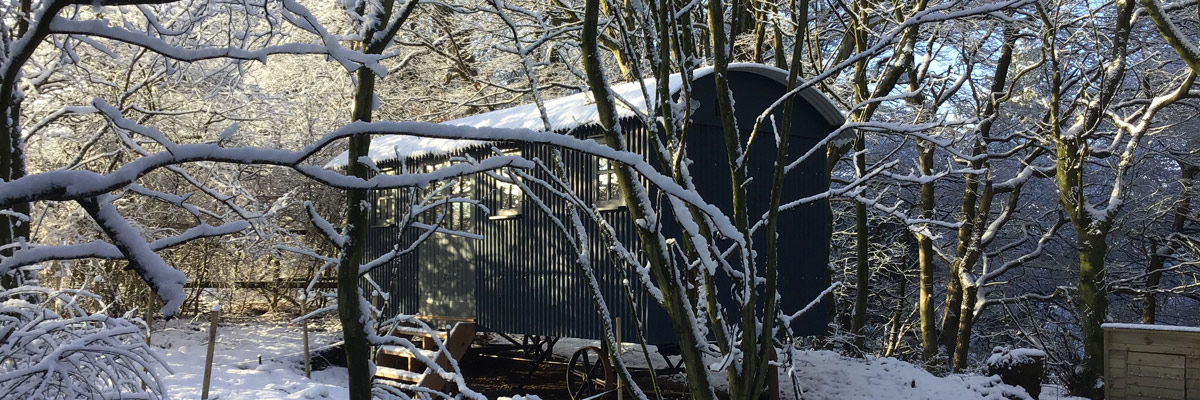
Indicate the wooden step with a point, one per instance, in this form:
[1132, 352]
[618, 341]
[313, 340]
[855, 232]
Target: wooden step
[397, 374]
[417, 331]
[401, 351]
[456, 342]
[443, 318]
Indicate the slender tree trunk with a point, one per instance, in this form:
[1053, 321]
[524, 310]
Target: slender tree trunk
[928, 309]
[765, 342]
[862, 270]
[676, 305]
[354, 323]
[350, 309]
[1153, 276]
[900, 63]
[744, 380]
[1157, 256]
[971, 230]
[966, 322]
[954, 287]
[897, 318]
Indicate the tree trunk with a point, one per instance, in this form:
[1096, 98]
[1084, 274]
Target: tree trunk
[1157, 257]
[12, 146]
[1093, 306]
[954, 287]
[676, 305]
[927, 306]
[862, 253]
[12, 166]
[1153, 276]
[354, 323]
[969, 231]
[966, 322]
[897, 318]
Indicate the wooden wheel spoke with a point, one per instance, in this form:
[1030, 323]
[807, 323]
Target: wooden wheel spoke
[585, 376]
[591, 372]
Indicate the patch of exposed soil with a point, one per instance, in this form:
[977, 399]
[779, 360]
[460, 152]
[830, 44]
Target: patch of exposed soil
[496, 376]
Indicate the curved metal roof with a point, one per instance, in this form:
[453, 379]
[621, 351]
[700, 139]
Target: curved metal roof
[569, 112]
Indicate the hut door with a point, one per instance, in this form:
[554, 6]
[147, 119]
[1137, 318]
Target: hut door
[1156, 375]
[447, 282]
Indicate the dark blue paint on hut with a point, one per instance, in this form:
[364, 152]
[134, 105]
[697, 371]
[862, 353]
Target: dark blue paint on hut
[520, 275]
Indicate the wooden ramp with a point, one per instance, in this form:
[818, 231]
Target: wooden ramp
[404, 365]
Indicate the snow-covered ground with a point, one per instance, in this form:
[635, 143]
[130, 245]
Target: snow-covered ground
[822, 375]
[826, 375]
[236, 373]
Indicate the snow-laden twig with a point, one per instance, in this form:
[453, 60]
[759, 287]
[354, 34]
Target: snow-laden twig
[74, 354]
[324, 227]
[165, 281]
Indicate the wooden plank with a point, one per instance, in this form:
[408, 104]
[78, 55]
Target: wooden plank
[1187, 341]
[1166, 347]
[1149, 348]
[1114, 369]
[1143, 348]
[1136, 397]
[457, 343]
[415, 331]
[1160, 383]
[401, 351]
[1157, 360]
[1172, 340]
[444, 318]
[1148, 392]
[1155, 372]
[1117, 359]
[397, 374]
[1119, 373]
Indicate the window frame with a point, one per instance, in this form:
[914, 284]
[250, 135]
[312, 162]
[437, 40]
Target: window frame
[388, 197]
[460, 216]
[508, 191]
[601, 166]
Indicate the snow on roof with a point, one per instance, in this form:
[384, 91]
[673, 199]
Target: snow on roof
[567, 113]
[1151, 327]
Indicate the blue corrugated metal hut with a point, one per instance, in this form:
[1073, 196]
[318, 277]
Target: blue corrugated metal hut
[521, 278]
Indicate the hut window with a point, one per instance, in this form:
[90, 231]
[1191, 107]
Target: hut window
[385, 204]
[508, 194]
[608, 192]
[458, 213]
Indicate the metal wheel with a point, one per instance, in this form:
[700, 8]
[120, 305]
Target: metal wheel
[589, 373]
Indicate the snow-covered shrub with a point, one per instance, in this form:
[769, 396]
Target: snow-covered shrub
[51, 348]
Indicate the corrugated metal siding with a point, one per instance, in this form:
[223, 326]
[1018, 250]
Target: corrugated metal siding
[804, 244]
[526, 278]
[529, 281]
[398, 277]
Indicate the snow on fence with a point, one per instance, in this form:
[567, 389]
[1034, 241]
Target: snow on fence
[1151, 362]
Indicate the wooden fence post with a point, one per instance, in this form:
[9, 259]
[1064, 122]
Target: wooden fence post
[149, 319]
[212, 342]
[618, 353]
[304, 332]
